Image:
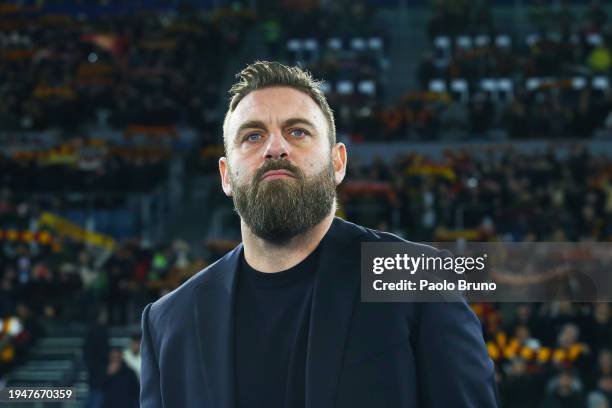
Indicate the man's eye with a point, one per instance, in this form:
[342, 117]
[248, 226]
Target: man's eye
[299, 133]
[252, 137]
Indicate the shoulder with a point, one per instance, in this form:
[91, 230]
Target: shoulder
[175, 304]
[359, 234]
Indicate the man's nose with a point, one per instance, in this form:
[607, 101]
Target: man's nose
[277, 147]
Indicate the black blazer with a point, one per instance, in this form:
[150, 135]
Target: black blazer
[373, 355]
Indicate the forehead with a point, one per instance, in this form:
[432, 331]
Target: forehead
[273, 106]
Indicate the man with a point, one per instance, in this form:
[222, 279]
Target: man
[121, 384]
[277, 322]
[96, 349]
[131, 355]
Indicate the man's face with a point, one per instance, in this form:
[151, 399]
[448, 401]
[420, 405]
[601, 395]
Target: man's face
[115, 357]
[280, 169]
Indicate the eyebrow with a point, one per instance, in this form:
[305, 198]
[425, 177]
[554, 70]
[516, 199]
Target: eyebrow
[258, 124]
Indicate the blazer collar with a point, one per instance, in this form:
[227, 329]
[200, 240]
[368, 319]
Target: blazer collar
[335, 293]
[214, 323]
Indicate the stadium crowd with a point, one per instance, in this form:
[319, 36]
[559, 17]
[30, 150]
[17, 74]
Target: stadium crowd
[143, 69]
[558, 41]
[556, 79]
[86, 166]
[530, 114]
[539, 196]
[50, 278]
[551, 355]
[146, 68]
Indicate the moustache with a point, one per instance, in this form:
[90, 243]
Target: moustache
[278, 165]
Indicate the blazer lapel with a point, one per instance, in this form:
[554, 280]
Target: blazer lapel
[214, 322]
[335, 293]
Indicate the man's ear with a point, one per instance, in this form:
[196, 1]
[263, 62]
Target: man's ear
[339, 161]
[225, 177]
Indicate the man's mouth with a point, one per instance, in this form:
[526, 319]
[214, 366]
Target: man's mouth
[276, 174]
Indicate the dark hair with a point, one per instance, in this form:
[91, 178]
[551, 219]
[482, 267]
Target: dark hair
[266, 74]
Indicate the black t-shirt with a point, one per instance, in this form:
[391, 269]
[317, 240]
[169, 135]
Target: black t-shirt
[271, 335]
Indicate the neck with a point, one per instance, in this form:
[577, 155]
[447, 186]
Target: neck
[266, 257]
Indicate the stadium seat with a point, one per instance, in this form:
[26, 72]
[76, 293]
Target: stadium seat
[601, 83]
[594, 39]
[503, 41]
[367, 87]
[437, 85]
[459, 87]
[482, 41]
[358, 44]
[334, 43]
[345, 87]
[579, 82]
[464, 42]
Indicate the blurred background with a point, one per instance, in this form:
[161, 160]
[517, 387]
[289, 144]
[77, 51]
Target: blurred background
[464, 119]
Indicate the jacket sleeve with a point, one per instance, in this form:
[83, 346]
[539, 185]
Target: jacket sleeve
[150, 392]
[454, 368]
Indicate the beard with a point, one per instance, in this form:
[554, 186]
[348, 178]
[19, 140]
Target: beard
[279, 209]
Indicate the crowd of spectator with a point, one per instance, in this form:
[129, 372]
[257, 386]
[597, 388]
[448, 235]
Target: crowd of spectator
[428, 116]
[556, 68]
[458, 16]
[49, 278]
[92, 166]
[539, 196]
[562, 48]
[69, 278]
[346, 44]
[553, 42]
[164, 69]
[550, 355]
[145, 68]
[341, 22]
